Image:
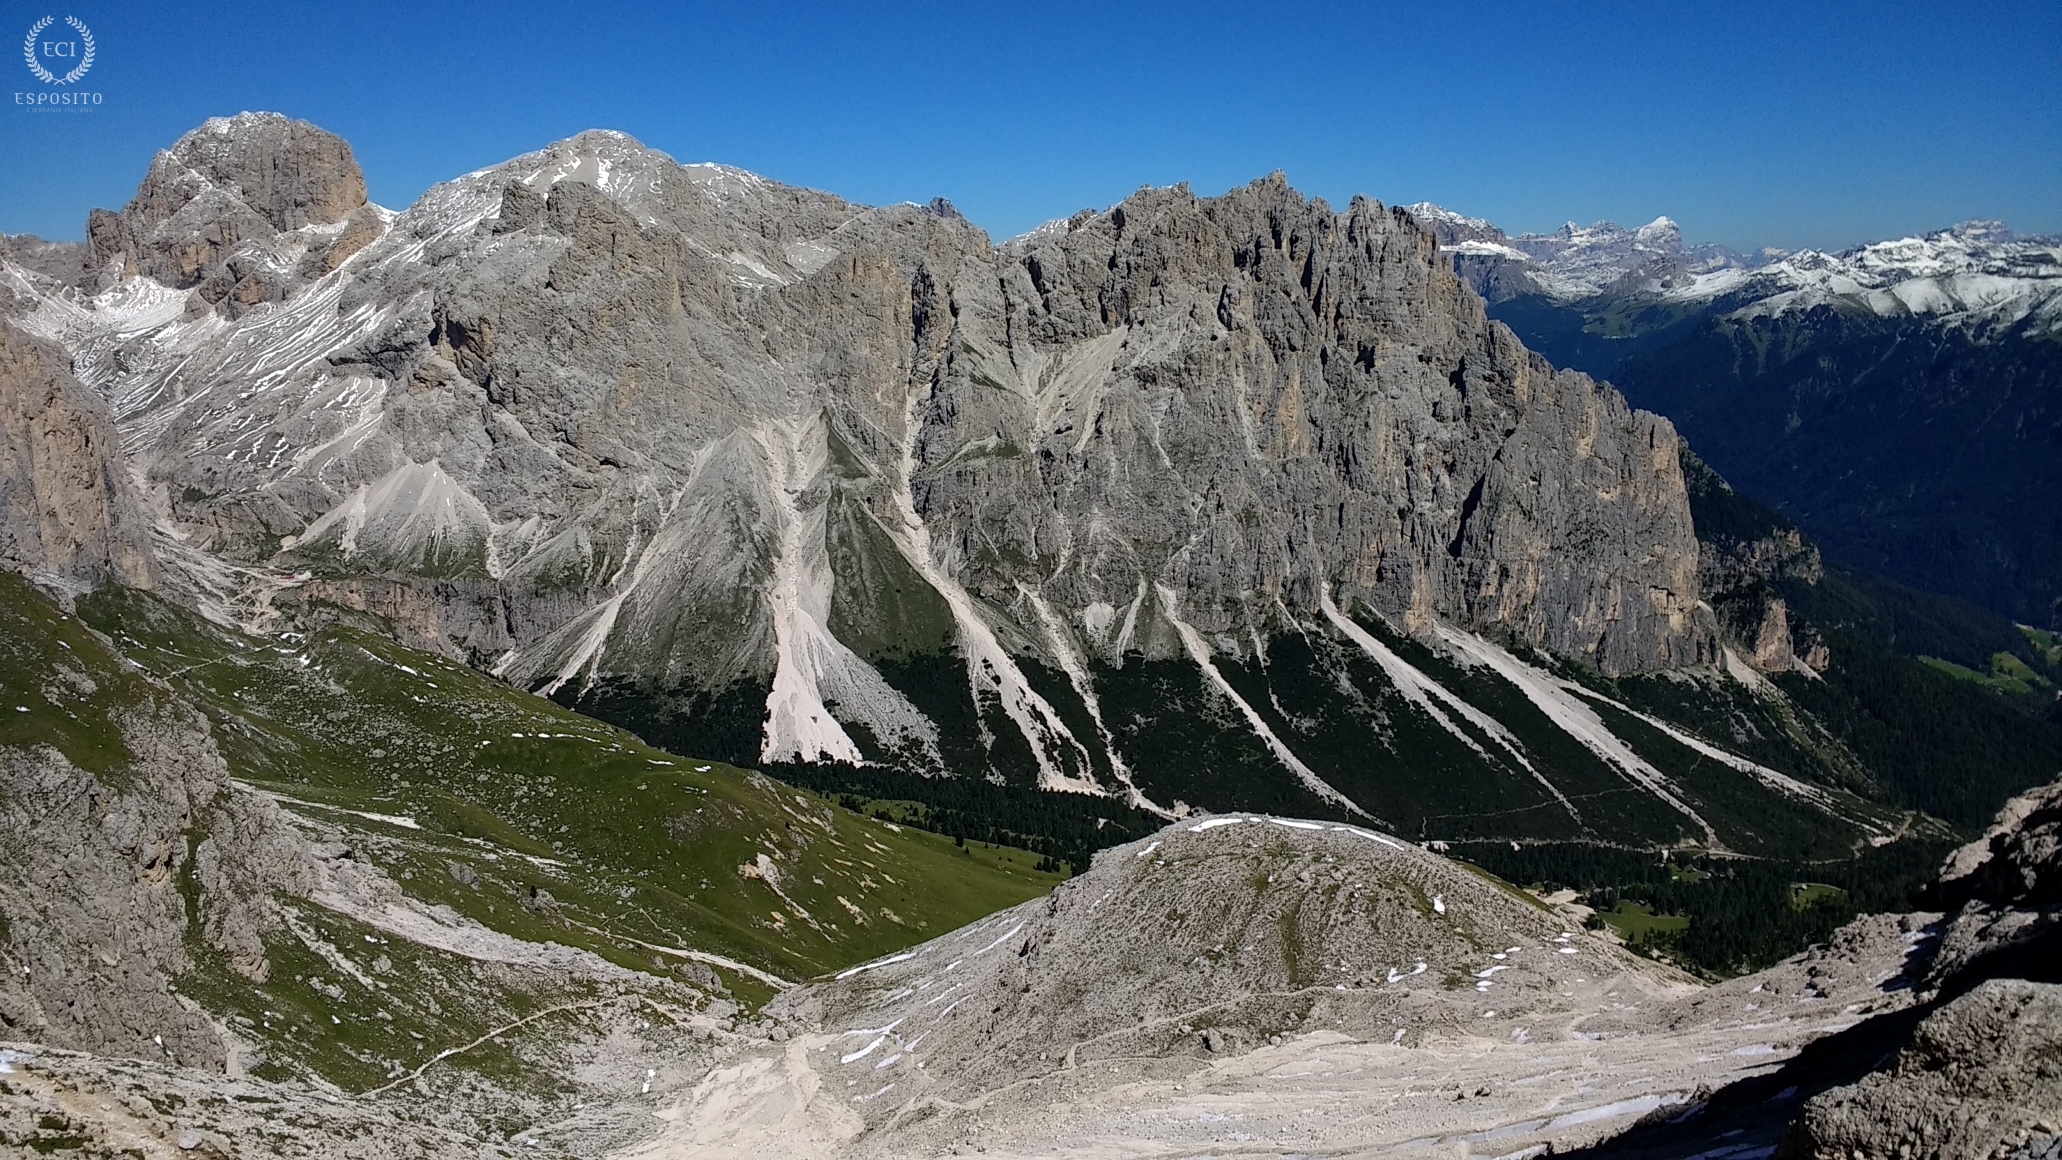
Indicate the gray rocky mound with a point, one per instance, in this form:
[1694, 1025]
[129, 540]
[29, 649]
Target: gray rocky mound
[1253, 984]
[1981, 1077]
[1214, 938]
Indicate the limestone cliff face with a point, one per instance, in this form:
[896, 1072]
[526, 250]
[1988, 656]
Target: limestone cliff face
[1745, 552]
[1297, 398]
[1185, 408]
[67, 509]
[620, 427]
[237, 208]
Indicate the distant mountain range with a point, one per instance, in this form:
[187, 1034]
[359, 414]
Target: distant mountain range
[1573, 262]
[1902, 400]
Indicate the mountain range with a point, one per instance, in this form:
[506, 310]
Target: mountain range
[476, 653]
[795, 483]
[1898, 399]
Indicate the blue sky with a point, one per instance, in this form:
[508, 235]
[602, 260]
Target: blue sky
[1752, 124]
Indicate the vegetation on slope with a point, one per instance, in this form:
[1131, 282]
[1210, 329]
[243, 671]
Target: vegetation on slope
[548, 825]
[1721, 916]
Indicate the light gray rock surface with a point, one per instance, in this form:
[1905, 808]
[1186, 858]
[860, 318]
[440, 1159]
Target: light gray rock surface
[1245, 984]
[1982, 1077]
[68, 511]
[231, 208]
[2018, 861]
[1229, 930]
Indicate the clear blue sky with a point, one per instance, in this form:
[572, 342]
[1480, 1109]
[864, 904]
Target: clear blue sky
[1751, 123]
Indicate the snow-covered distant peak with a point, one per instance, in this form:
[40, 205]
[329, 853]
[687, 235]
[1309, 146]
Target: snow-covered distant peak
[1977, 272]
[1473, 248]
[1034, 236]
[1429, 213]
[1982, 230]
[1575, 261]
[1660, 231]
[612, 161]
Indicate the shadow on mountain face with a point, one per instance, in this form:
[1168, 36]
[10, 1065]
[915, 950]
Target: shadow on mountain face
[1747, 1118]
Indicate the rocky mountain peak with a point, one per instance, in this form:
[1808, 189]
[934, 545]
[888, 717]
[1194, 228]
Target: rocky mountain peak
[244, 209]
[1662, 231]
[289, 172]
[1453, 229]
[1982, 229]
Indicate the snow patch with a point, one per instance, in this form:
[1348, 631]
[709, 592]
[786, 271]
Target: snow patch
[1013, 931]
[875, 965]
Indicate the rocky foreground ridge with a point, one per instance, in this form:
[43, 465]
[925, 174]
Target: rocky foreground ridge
[1271, 986]
[1282, 987]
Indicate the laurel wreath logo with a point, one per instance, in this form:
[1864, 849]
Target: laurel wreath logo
[28, 51]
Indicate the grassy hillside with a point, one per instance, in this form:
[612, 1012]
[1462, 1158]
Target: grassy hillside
[710, 882]
[552, 826]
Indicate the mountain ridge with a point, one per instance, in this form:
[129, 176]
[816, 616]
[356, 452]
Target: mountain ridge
[1172, 506]
[462, 458]
[1225, 550]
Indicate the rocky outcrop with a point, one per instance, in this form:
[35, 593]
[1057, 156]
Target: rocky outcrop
[67, 509]
[234, 207]
[1981, 1077]
[2018, 861]
[1217, 934]
[2004, 891]
[61, 262]
[1335, 408]
[129, 856]
[1745, 553]
[1982, 1074]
